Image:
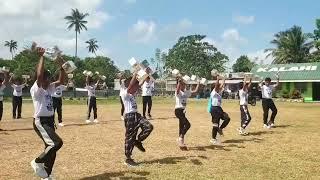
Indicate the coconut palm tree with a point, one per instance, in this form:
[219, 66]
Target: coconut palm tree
[12, 46]
[92, 45]
[292, 46]
[77, 21]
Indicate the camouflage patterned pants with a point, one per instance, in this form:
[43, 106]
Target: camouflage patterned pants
[134, 121]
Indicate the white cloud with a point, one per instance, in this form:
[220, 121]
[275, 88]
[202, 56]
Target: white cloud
[232, 35]
[174, 31]
[43, 21]
[260, 57]
[210, 41]
[243, 19]
[142, 31]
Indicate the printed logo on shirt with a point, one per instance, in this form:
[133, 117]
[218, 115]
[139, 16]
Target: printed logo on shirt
[49, 105]
[133, 103]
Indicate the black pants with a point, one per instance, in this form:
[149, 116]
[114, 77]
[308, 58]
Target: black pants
[92, 104]
[44, 127]
[217, 114]
[1, 110]
[266, 105]
[184, 124]
[146, 101]
[16, 106]
[122, 106]
[245, 116]
[57, 106]
[134, 121]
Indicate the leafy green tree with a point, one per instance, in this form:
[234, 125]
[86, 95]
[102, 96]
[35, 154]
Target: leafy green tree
[292, 46]
[77, 22]
[92, 46]
[243, 64]
[192, 55]
[12, 45]
[316, 35]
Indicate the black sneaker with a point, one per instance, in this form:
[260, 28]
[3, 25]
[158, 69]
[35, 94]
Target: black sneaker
[131, 163]
[139, 145]
[220, 132]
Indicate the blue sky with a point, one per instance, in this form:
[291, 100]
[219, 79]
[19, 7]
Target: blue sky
[135, 28]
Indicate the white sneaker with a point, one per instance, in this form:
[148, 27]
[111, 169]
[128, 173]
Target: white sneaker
[95, 121]
[88, 121]
[266, 126]
[272, 125]
[181, 142]
[61, 124]
[122, 118]
[215, 142]
[242, 131]
[48, 178]
[38, 168]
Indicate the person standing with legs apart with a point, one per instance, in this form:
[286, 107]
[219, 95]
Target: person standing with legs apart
[122, 87]
[92, 101]
[133, 120]
[245, 115]
[217, 112]
[57, 102]
[267, 102]
[17, 97]
[182, 94]
[147, 89]
[3, 82]
[43, 123]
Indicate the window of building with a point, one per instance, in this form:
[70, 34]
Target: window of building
[301, 86]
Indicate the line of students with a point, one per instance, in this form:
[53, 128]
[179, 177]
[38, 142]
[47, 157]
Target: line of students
[43, 88]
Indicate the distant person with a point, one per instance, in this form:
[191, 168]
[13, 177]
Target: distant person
[17, 96]
[267, 102]
[43, 123]
[245, 115]
[147, 90]
[92, 101]
[122, 87]
[133, 120]
[217, 112]
[57, 102]
[182, 94]
[3, 82]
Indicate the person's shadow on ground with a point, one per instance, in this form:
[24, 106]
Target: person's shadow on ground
[135, 175]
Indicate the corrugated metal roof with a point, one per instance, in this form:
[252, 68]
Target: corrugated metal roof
[289, 72]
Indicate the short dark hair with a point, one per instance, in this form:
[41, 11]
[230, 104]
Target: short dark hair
[241, 84]
[267, 79]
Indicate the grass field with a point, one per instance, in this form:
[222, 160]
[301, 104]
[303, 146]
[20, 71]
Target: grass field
[289, 151]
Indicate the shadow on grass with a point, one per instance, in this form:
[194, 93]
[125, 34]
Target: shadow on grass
[22, 129]
[78, 124]
[211, 147]
[282, 126]
[175, 160]
[259, 133]
[119, 175]
[257, 140]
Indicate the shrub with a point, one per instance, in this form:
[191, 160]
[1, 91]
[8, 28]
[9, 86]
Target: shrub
[285, 93]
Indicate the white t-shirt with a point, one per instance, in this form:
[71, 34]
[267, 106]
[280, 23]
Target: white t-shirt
[129, 102]
[216, 98]
[42, 100]
[58, 91]
[181, 99]
[122, 87]
[267, 91]
[147, 88]
[91, 90]
[243, 95]
[17, 89]
[2, 86]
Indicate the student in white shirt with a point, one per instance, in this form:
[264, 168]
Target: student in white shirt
[182, 94]
[122, 87]
[267, 102]
[57, 102]
[92, 101]
[245, 115]
[17, 96]
[3, 82]
[43, 117]
[133, 120]
[147, 90]
[217, 112]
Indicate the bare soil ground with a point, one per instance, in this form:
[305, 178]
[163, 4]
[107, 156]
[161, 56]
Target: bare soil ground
[289, 151]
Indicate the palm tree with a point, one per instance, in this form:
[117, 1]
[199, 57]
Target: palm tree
[92, 45]
[76, 21]
[12, 46]
[292, 46]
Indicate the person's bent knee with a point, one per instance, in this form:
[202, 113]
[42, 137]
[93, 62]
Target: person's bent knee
[58, 145]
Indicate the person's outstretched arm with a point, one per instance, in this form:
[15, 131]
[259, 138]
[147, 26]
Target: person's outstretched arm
[62, 73]
[196, 89]
[40, 68]
[131, 88]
